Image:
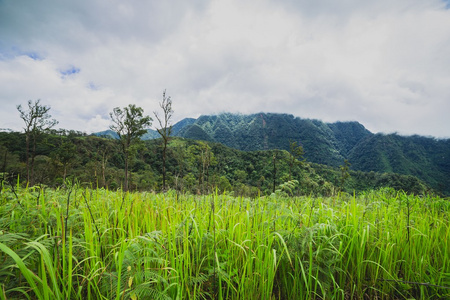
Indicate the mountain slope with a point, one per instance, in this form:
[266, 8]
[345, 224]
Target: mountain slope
[330, 144]
[150, 135]
[348, 134]
[425, 158]
[323, 143]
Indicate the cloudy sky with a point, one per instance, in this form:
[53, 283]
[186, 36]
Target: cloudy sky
[383, 63]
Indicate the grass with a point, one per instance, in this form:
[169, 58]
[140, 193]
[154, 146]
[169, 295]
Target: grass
[98, 244]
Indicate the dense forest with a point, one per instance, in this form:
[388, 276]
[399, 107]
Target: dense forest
[192, 166]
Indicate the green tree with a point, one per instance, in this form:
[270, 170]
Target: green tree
[129, 123]
[201, 158]
[65, 154]
[165, 130]
[37, 120]
[224, 184]
[104, 152]
[179, 157]
[4, 155]
[208, 159]
[189, 182]
[344, 173]
[296, 153]
[240, 176]
[9, 159]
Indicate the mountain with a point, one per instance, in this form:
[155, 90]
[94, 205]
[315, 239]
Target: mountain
[107, 134]
[324, 143]
[150, 135]
[348, 134]
[330, 143]
[423, 157]
[181, 124]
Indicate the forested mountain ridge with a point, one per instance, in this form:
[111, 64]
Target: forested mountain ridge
[323, 143]
[329, 143]
[423, 157]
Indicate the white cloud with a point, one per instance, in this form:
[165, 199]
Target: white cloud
[383, 63]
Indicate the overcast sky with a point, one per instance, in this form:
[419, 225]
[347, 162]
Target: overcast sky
[384, 63]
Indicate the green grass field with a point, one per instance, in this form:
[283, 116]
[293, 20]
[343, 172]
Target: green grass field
[98, 244]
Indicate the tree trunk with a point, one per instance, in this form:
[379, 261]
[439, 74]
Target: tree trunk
[103, 171]
[5, 160]
[126, 172]
[33, 155]
[27, 139]
[164, 165]
[65, 173]
[274, 172]
[291, 165]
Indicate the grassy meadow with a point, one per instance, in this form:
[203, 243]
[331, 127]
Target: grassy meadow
[79, 243]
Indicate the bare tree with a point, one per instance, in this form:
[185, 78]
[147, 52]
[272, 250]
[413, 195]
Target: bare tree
[103, 151]
[165, 130]
[37, 120]
[129, 123]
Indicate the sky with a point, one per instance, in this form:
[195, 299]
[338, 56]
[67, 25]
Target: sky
[384, 63]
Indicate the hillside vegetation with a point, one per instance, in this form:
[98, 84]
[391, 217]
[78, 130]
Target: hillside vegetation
[330, 144]
[192, 166]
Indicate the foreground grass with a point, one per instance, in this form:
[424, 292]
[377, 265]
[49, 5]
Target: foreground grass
[98, 244]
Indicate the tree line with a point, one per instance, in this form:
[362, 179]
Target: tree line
[43, 155]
